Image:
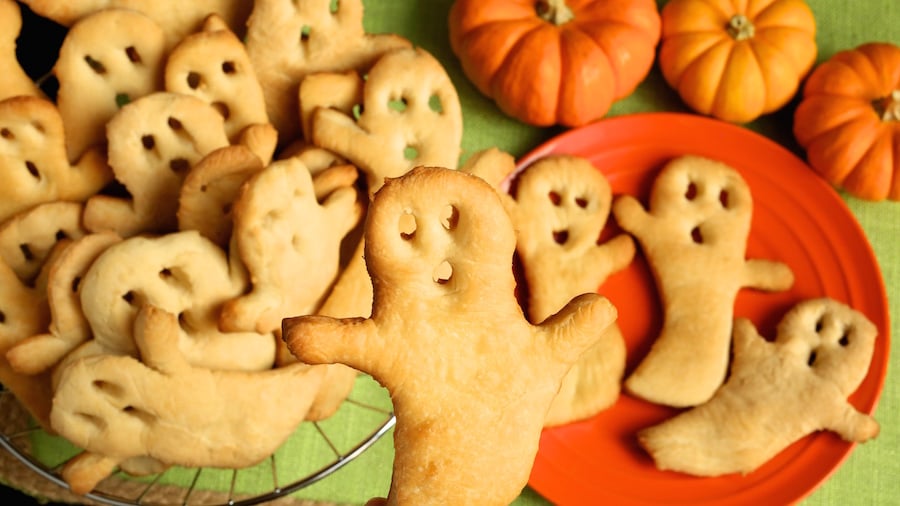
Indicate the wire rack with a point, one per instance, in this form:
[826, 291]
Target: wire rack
[18, 432]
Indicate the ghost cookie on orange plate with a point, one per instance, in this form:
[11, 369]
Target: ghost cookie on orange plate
[777, 393]
[562, 204]
[694, 237]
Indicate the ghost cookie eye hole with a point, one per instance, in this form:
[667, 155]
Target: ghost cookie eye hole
[229, 67]
[7, 134]
[132, 53]
[845, 337]
[450, 217]
[32, 169]
[398, 104]
[554, 197]
[724, 198]
[691, 192]
[95, 65]
[435, 104]
[194, 80]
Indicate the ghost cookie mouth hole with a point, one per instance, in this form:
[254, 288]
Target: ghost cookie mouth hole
[560, 236]
[407, 226]
[442, 273]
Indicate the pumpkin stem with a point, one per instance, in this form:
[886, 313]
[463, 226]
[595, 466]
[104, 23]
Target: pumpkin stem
[554, 11]
[740, 27]
[888, 107]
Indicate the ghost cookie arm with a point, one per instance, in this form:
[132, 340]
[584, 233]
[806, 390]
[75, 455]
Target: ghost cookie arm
[850, 424]
[767, 275]
[577, 326]
[156, 336]
[748, 346]
[615, 254]
[630, 214]
[316, 339]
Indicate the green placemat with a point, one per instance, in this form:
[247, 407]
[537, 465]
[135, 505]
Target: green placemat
[869, 474]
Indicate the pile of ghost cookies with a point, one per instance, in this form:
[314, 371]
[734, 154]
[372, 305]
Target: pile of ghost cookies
[260, 199]
[193, 182]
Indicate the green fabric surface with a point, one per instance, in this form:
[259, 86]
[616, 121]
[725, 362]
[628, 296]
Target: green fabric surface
[868, 476]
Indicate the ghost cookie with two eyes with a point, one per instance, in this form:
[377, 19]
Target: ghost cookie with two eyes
[777, 393]
[108, 58]
[694, 237]
[562, 205]
[470, 378]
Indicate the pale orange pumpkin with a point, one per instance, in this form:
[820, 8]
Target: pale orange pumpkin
[736, 60]
[549, 62]
[848, 120]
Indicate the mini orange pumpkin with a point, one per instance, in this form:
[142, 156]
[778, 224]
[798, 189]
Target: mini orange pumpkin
[849, 120]
[736, 60]
[549, 62]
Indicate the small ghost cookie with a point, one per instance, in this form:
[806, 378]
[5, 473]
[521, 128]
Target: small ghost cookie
[176, 17]
[778, 392]
[288, 40]
[33, 163]
[289, 243]
[182, 273]
[562, 206]
[13, 79]
[470, 378]
[410, 116]
[153, 143]
[107, 59]
[213, 65]
[68, 327]
[207, 196]
[694, 237]
[27, 238]
[165, 408]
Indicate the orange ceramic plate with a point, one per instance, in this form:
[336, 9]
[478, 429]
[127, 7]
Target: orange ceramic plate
[799, 220]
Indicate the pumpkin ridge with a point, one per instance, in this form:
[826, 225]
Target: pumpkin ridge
[808, 125]
[701, 56]
[501, 70]
[500, 75]
[723, 90]
[503, 54]
[863, 135]
[763, 32]
[859, 180]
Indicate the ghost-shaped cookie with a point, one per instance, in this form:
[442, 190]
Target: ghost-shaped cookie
[694, 237]
[777, 393]
[562, 205]
[470, 378]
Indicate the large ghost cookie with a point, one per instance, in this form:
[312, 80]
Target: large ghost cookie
[470, 378]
